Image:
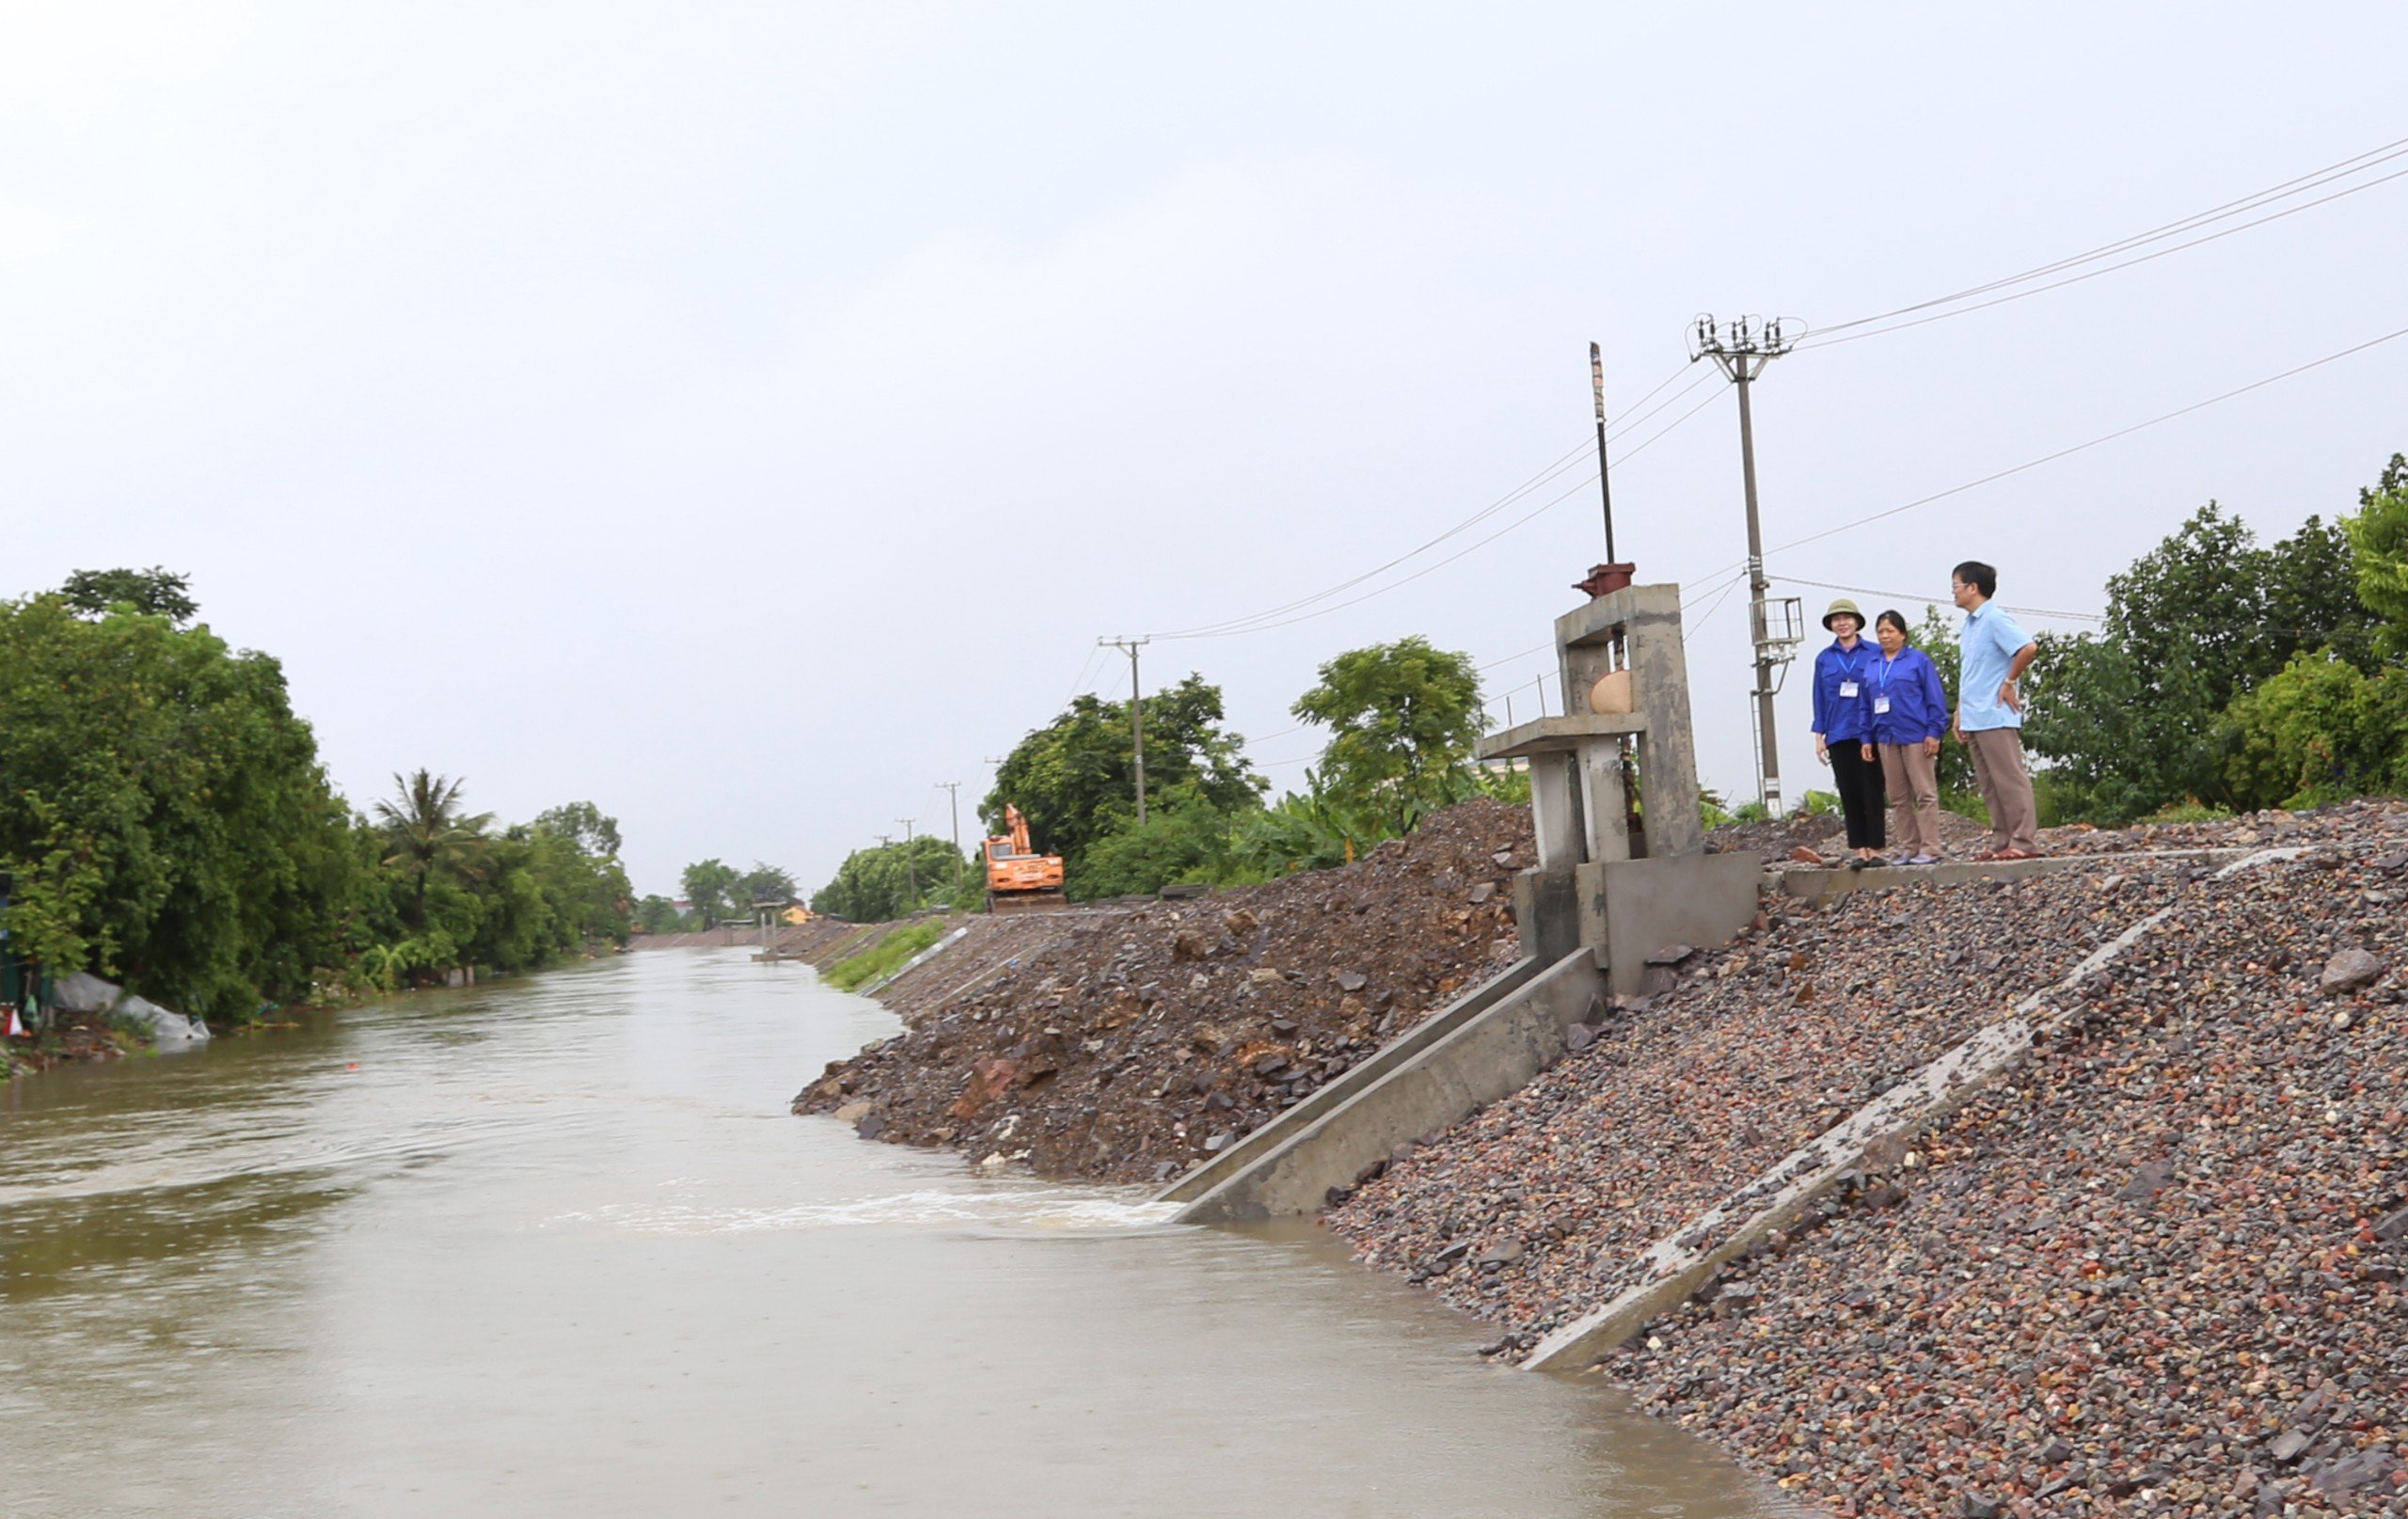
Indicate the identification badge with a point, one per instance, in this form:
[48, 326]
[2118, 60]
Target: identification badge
[1847, 690]
[1880, 706]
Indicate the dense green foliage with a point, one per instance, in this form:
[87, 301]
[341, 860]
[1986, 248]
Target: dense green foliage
[163, 810]
[885, 956]
[96, 592]
[2134, 719]
[2379, 537]
[1074, 778]
[1402, 719]
[893, 879]
[444, 891]
[166, 823]
[2317, 731]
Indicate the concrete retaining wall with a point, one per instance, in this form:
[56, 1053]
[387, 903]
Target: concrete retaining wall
[1630, 909]
[1487, 1055]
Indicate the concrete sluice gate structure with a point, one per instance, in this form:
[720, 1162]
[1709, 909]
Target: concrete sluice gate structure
[1622, 874]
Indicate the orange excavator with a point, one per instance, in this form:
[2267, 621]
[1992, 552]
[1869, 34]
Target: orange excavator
[1018, 880]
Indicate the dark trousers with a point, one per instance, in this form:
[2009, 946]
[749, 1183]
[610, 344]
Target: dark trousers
[1858, 781]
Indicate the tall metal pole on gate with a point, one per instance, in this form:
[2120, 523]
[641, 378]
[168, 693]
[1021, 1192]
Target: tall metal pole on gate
[1605, 481]
[1742, 349]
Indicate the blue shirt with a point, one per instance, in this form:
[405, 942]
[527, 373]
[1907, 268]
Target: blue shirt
[1918, 706]
[1838, 717]
[1988, 648]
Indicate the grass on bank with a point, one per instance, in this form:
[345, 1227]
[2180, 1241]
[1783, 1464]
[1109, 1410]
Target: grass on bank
[885, 955]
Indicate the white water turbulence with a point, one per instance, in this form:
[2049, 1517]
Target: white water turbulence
[556, 1247]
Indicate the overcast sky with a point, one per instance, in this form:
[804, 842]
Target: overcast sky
[749, 416]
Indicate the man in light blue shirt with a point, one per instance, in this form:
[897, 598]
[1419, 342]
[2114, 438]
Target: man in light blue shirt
[1990, 711]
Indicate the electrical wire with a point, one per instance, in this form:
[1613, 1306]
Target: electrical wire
[1518, 522]
[1632, 419]
[2078, 448]
[2356, 164]
[1817, 342]
[1936, 601]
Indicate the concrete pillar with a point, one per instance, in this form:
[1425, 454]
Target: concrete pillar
[1552, 814]
[1608, 808]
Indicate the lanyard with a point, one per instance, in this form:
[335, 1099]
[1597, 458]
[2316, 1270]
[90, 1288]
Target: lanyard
[1884, 667]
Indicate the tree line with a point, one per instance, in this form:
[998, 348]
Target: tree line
[165, 821]
[1401, 720]
[2228, 676]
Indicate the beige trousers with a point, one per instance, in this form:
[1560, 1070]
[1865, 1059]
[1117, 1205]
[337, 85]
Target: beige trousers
[1912, 779]
[2005, 786]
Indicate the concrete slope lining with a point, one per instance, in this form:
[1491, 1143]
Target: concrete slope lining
[1254, 1147]
[914, 962]
[1488, 1055]
[1679, 1264]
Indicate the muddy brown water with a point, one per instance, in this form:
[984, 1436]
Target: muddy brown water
[554, 1246]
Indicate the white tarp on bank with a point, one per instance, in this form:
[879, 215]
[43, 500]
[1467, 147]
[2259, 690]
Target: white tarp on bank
[84, 992]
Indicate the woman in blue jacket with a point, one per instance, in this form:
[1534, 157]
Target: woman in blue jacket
[1843, 729]
[1908, 712]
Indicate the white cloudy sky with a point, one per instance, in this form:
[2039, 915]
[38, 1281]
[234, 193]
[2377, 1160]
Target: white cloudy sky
[748, 416]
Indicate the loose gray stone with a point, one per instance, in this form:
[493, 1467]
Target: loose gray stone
[2353, 970]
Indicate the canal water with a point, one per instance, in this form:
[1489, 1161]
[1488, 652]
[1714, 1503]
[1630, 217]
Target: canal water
[555, 1246]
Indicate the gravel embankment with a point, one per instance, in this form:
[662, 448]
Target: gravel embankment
[2156, 1272]
[1538, 1207]
[1143, 1043]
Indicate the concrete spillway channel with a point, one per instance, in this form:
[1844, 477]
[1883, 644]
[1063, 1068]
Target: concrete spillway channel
[1484, 1045]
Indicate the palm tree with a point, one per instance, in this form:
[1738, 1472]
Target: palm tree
[424, 827]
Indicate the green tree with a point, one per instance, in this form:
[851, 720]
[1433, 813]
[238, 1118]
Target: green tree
[709, 886]
[1074, 779]
[657, 914]
[2131, 718]
[763, 883]
[583, 824]
[93, 592]
[165, 814]
[876, 885]
[2318, 730]
[2379, 534]
[424, 828]
[1402, 719]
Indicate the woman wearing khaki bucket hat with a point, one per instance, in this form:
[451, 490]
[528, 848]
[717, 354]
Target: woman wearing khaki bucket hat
[1844, 730]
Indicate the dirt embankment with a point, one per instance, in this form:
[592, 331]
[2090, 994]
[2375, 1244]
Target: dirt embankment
[2156, 1271]
[1144, 1041]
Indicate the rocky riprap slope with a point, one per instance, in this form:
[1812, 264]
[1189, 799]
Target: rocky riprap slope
[1144, 1043]
[2157, 1271]
[1537, 1207]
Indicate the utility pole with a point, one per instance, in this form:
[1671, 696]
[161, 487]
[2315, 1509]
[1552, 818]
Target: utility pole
[954, 789]
[1136, 720]
[911, 872]
[1741, 349]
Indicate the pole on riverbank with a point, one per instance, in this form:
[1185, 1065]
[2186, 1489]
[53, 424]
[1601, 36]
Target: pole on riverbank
[1136, 718]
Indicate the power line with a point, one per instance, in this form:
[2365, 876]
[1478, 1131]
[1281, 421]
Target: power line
[2104, 437]
[1936, 601]
[1634, 419]
[2076, 279]
[1521, 521]
[2356, 164]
